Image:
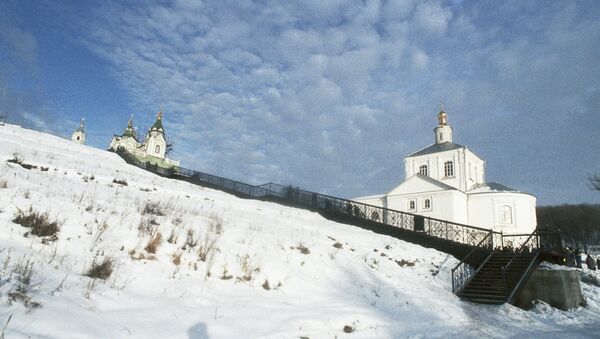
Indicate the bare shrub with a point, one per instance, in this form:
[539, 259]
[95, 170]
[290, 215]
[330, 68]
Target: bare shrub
[153, 243]
[207, 246]
[154, 208]
[22, 272]
[190, 240]
[265, 285]
[39, 223]
[215, 225]
[3, 183]
[245, 268]
[120, 182]
[176, 258]
[147, 226]
[101, 271]
[172, 237]
[226, 275]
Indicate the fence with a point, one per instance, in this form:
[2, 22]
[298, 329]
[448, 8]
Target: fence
[329, 205]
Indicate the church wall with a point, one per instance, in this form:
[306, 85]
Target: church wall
[445, 205]
[375, 201]
[435, 163]
[152, 142]
[78, 137]
[474, 170]
[508, 212]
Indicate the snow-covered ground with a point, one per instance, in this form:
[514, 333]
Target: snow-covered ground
[273, 271]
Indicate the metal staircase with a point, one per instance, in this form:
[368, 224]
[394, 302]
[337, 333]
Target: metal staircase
[499, 277]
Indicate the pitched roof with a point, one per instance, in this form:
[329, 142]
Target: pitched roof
[491, 187]
[158, 126]
[435, 148]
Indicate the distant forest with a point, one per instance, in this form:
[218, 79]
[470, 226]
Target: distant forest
[579, 224]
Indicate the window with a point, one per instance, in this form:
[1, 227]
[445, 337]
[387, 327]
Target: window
[157, 149]
[507, 214]
[448, 169]
[441, 137]
[427, 204]
[412, 205]
[78, 137]
[423, 170]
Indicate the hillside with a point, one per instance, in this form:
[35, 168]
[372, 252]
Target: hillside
[218, 266]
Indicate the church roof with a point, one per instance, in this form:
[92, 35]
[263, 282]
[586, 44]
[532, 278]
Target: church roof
[435, 148]
[158, 126]
[491, 187]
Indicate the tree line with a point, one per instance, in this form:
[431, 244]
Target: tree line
[579, 225]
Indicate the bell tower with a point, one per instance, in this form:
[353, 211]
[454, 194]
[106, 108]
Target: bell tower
[443, 132]
[79, 134]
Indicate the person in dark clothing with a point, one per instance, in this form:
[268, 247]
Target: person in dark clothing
[570, 258]
[598, 262]
[590, 262]
[578, 258]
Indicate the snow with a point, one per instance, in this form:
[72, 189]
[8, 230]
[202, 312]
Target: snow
[380, 286]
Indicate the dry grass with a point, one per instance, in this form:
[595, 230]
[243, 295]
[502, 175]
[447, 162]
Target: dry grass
[176, 258]
[101, 271]
[154, 208]
[39, 223]
[3, 183]
[153, 243]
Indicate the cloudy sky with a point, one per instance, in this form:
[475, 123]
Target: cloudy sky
[325, 95]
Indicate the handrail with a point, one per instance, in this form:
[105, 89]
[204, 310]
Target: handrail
[510, 262]
[457, 286]
[447, 230]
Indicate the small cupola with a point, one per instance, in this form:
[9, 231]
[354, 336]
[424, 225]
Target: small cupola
[157, 128]
[443, 132]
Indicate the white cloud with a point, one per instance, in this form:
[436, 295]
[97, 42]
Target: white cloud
[280, 90]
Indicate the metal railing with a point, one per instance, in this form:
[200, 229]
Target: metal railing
[329, 205]
[530, 245]
[468, 267]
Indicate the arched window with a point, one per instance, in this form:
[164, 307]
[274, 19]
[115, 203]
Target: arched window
[423, 170]
[157, 149]
[448, 169]
[412, 205]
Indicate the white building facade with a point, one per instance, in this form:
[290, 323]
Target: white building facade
[447, 181]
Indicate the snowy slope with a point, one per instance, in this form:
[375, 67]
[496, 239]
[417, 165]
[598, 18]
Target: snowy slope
[321, 275]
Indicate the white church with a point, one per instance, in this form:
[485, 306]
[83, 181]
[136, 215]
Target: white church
[154, 147]
[447, 181]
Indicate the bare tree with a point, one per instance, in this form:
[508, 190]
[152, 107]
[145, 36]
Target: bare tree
[595, 182]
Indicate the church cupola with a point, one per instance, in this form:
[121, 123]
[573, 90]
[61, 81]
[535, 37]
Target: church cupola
[443, 132]
[157, 128]
[129, 131]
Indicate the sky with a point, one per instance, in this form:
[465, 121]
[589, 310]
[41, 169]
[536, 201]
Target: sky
[325, 95]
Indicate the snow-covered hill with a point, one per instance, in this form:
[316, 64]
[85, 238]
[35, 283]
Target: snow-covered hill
[222, 267]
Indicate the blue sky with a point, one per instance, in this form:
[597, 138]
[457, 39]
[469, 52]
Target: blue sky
[328, 96]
